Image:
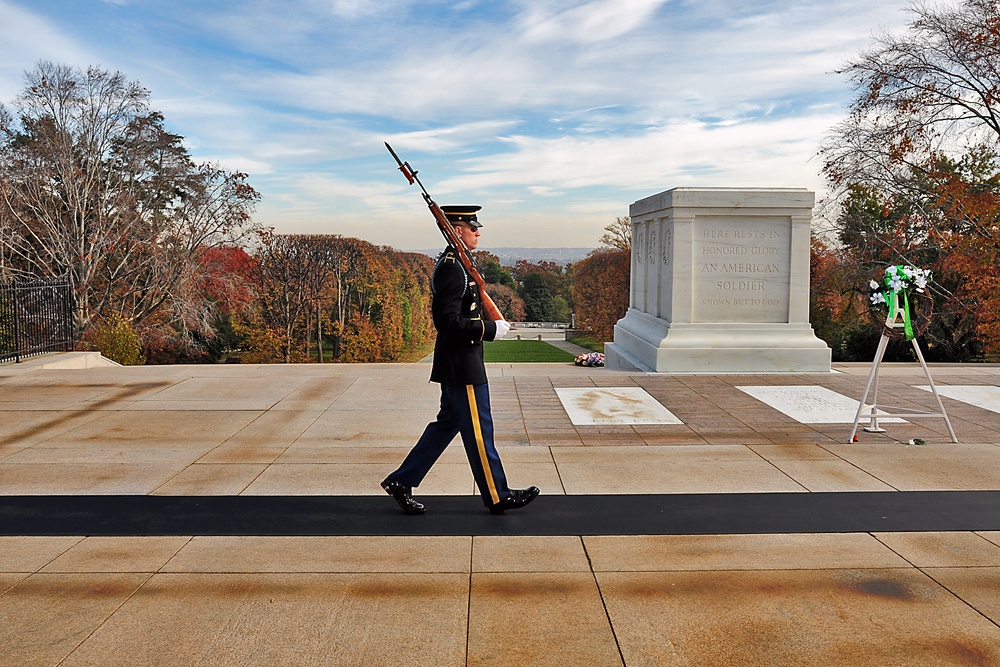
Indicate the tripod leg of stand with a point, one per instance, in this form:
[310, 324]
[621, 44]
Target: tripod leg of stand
[873, 426]
[937, 397]
[872, 375]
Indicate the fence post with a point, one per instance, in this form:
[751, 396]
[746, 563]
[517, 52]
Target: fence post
[17, 332]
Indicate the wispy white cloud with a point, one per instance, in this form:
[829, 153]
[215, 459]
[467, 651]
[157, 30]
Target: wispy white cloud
[686, 152]
[555, 113]
[664, 69]
[593, 21]
[356, 8]
[451, 139]
[571, 187]
[27, 38]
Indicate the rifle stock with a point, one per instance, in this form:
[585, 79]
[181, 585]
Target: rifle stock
[452, 238]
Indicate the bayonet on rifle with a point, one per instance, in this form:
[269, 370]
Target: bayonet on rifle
[451, 237]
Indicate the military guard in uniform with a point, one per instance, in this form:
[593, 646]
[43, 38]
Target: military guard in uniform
[465, 394]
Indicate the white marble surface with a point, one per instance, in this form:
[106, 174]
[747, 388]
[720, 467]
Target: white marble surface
[982, 396]
[720, 284]
[812, 404]
[589, 406]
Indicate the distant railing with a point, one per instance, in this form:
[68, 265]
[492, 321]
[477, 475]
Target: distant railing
[541, 325]
[36, 317]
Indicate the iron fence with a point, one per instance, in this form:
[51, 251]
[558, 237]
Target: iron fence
[36, 316]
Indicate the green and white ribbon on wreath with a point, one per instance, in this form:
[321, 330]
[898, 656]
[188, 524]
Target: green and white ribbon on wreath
[899, 279]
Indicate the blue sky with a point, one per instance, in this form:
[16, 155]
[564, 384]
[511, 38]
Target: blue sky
[554, 115]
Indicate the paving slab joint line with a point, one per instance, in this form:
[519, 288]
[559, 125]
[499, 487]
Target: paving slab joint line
[107, 618]
[61, 554]
[604, 604]
[957, 596]
[562, 484]
[181, 548]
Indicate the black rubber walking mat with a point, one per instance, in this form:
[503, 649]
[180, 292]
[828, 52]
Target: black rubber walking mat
[682, 514]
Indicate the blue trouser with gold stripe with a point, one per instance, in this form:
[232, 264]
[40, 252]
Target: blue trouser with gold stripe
[465, 409]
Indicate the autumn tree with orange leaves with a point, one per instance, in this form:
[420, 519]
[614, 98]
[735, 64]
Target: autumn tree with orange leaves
[915, 173]
[601, 291]
[365, 303]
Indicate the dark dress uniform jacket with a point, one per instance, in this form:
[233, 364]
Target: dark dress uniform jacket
[460, 323]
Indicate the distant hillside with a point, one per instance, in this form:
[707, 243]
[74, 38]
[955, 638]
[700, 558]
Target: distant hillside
[509, 256]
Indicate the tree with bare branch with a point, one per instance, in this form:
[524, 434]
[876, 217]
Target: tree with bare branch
[915, 167]
[932, 92]
[94, 187]
[618, 234]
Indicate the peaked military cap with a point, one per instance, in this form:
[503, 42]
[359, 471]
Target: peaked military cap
[464, 214]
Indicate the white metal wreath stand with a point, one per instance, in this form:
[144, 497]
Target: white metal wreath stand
[894, 322]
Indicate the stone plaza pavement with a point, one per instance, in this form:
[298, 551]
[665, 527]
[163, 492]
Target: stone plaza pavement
[495, 597]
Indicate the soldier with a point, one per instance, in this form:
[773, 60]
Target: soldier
[465, 394]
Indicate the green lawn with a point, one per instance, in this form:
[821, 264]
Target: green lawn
[588, 342]
[524, 351]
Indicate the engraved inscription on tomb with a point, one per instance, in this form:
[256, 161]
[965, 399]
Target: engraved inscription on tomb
[741, 269]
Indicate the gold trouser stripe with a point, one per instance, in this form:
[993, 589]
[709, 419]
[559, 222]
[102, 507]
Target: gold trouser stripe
[480, 445]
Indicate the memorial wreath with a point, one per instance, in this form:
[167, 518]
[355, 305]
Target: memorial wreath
[590, 359]
[902, 293]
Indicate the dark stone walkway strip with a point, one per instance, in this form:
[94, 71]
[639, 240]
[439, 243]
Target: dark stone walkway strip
[687, 514]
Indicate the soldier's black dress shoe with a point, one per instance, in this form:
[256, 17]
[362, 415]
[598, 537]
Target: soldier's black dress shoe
[401, 493]
[518, 499]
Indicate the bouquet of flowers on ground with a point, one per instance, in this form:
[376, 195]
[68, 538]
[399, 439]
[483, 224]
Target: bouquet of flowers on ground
[902, 291]
[591, 359]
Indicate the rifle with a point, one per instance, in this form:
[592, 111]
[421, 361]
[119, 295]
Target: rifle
[451, 237]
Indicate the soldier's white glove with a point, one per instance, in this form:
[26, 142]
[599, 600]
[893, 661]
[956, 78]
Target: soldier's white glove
[503, 326]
